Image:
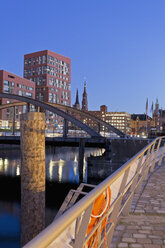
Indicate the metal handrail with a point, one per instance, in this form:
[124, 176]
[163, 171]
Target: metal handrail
[49, 234]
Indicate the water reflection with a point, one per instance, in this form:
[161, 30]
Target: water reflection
[61, 162]
[61, 166]
[9, 224]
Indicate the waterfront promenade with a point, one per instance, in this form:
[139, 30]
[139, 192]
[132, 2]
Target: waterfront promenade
[145, 225]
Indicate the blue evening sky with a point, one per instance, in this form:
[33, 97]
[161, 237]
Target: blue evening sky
[117, 45]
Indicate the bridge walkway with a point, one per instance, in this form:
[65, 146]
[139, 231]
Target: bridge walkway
[145, 225]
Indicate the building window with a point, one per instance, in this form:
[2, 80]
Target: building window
[8, 86]
[28, 94]
[6, 82]
[19, 92]
[6, 89]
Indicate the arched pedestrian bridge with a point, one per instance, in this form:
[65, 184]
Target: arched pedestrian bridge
[58, 109]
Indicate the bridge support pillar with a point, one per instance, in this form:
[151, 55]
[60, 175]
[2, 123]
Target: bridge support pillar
[27, 107]
[65, 128]
[81, 159]
[108, 148]
[32, 175]
[99, 127]
[13, 122]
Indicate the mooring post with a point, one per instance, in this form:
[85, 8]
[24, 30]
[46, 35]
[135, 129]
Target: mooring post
[32, 175]
[81, 158]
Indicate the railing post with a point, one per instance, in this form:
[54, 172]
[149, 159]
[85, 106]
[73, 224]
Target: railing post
[152, 152]
[124, 181]
[145, 169]
[80, 237]
[115, 212]
[155, 157]
[114, 217]
[161, 157]
[133, 186]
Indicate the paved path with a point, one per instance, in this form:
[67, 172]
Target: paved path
[145, 226]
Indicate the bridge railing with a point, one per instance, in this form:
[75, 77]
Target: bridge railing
[91, 224]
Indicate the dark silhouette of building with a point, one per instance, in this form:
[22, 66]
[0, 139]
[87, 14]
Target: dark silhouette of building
[77, 104]
[84, 100]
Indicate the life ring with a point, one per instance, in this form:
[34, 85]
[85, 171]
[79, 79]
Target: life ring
[100, 207]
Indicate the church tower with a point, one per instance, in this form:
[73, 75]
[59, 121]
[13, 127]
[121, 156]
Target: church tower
[156, 114]
[84, 100]
[157, 107]
[77, 104]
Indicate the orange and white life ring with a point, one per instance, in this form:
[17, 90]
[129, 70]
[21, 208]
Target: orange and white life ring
[100, 207]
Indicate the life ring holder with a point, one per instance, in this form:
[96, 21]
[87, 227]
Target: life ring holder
[106, 206]
[94, 218]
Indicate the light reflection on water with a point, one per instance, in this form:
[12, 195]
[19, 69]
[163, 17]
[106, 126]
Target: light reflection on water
[61, 166]
[61, 162]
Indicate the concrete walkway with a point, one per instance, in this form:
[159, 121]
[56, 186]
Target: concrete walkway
[145, 226]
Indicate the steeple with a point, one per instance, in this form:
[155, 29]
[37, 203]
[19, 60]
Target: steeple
[84, 100]
[77, 104]
[77, 99]
[156, 107]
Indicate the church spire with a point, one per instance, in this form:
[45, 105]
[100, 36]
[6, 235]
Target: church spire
[156, 107]
[77, 104]
[77, 99]
[84, 100]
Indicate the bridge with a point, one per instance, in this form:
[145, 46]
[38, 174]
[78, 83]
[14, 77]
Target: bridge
[60, 141]
[57, 109]
[131, 212]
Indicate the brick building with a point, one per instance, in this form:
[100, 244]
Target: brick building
[51, 73]
[141, 124]
[120, 120]
[10, 83]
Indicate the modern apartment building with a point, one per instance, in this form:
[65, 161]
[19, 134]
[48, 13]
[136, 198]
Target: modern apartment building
[10, 83]
[51, 73]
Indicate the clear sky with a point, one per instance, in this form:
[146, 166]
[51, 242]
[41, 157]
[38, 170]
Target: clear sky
[117, 45]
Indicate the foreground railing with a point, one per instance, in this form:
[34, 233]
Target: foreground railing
[92, 220]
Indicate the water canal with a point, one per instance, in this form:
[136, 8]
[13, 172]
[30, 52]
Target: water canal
[61, 175]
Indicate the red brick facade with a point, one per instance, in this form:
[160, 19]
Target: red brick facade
[10, 83]
[52, 74]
